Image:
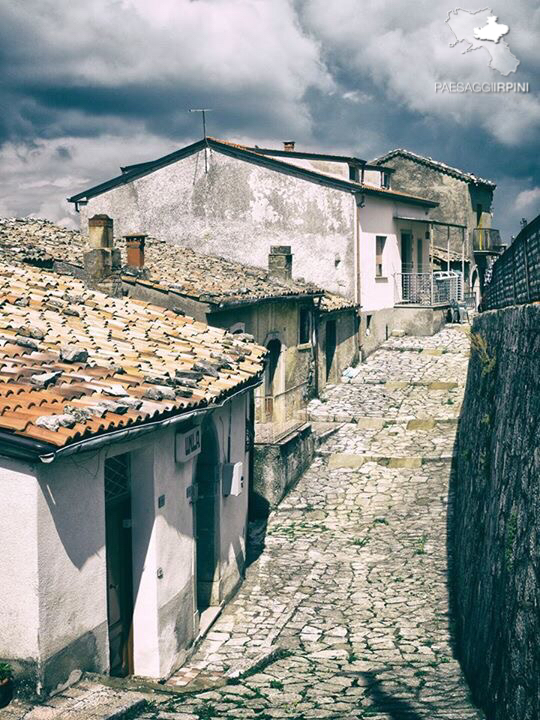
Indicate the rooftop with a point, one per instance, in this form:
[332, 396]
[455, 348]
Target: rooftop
[252, 155]
[76, 363]
[206, 278]
[436, 164]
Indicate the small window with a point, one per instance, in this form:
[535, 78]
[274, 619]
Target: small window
[353, 173]
[305, 326]
[380, 241]
[385, 180]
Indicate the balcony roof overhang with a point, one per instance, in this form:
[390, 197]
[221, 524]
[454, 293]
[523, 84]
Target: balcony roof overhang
[430, 221]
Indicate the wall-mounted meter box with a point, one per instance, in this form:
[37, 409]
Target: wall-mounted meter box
[232, 479]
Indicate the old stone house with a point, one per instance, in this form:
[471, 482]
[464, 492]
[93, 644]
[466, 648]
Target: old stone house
[350, 232]
[462, 220]
[123, 469]
[311, 335]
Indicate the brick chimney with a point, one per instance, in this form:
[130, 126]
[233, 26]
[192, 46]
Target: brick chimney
[102, 261]
[135, 250]
[280, 262]
[288, 145]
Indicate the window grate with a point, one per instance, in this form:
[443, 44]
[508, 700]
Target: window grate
[116, 477]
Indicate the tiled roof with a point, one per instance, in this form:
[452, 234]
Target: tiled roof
[441, 254]
[204, 277]
[76, 363]
[436, 164]
[332, 302]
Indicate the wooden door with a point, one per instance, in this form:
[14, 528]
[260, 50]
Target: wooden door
[119, 567]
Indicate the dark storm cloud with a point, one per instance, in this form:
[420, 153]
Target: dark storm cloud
[90, 86]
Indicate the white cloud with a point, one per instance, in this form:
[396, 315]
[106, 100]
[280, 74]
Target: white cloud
[36, 182]
[405, 53]
[529, 200]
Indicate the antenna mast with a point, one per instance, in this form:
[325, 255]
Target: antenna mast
[203, 111]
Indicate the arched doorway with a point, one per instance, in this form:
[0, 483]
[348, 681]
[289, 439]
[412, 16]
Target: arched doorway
[274, 352]
[206, 521]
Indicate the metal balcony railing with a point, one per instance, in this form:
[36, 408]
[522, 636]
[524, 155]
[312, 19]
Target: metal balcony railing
[487, 240]
[427, 289]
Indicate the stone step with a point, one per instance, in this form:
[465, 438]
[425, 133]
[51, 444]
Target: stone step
[353, 460]
[368, 422]
[85, 701]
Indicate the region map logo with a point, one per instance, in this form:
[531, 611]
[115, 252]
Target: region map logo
[481, 30]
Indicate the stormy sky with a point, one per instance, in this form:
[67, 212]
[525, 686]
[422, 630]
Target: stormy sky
[89, 86]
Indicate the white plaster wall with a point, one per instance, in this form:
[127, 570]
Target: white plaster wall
[174, 551]
[233, 508]
[378, 218]
[237, 211]
[372, 177]
[19, 609]
[71, 551]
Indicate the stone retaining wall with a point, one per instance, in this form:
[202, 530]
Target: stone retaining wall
[494, 523]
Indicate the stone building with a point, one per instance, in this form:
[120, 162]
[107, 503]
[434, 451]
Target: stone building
[123, 473]
[311, 335]
[344, 224]
[463, 217]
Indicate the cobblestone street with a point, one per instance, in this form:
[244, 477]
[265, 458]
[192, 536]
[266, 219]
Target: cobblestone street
[345, 613]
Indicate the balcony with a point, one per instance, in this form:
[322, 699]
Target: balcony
[428, 290]
[487, 240]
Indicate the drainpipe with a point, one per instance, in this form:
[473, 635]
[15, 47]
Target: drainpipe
[357, 279]
[315, 343]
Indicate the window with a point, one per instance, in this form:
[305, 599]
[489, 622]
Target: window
[420, 256]
[385, 180]
[353, 173]
[305, 326]
[380, 241]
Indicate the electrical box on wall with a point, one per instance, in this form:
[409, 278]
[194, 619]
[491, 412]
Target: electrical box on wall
[232, 478]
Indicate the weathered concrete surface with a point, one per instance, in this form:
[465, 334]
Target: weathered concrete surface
[88, 700]
[496, 518]
[351, 585]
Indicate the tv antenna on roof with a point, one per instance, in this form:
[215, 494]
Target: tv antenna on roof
[203, 111]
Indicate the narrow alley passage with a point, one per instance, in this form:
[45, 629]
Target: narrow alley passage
[345, 613]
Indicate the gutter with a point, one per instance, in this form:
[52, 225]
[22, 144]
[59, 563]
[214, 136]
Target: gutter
[23, 448]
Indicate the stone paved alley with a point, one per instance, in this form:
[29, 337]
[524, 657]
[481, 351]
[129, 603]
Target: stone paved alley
[345, 613]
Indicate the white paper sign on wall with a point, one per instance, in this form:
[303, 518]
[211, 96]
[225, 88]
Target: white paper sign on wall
[187, 445]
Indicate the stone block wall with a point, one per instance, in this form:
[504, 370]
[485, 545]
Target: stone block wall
[494, 522]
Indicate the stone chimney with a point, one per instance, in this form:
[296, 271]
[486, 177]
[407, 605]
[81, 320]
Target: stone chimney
[280, 262]
[135, 250]
[102, 261]
[288, 145]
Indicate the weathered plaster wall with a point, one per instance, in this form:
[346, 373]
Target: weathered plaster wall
[19, 605]
[237, 211]
[494, 525]
[59, 561]
[277, 467]
[233, 510]
[293, 380]
[451, 193]
[346, 353]
[72, 568]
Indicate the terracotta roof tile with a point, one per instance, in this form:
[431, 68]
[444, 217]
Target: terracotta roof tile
[171, 268]
[132, 350]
